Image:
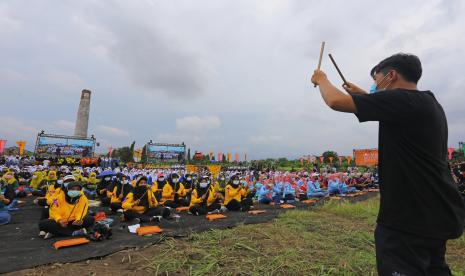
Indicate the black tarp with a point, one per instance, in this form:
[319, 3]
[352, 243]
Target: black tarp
[21, 247]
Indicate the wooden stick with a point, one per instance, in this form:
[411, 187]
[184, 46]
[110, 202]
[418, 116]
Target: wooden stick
[337, 68]
[321, 56]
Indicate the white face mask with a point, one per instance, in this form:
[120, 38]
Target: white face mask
[236, 182]
[107, 178]
[189, 179]
[175, 180]
[125, 182]
[203, 185]
[60, 181]
[161, 179]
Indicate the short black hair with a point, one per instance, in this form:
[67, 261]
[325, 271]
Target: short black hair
[407, 65]
[140, 179]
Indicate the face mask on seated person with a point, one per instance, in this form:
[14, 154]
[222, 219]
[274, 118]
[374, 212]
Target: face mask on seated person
[74, 193]
[175, 180]
[107, 178]
[235, 183]
[203, 185]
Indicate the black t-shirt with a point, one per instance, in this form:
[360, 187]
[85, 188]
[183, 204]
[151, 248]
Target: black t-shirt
[418, 194]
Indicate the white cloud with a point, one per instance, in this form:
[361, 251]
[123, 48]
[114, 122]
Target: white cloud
[7, 75]
[149, 62]
[64, 125]
[62, 81]
[113, 131]
[265, 139]
[13, 129]
[196, 124]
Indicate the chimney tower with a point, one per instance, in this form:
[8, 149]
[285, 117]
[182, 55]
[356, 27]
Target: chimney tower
[82, 120]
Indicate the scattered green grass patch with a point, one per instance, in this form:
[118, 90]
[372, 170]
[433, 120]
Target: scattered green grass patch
[333, 239]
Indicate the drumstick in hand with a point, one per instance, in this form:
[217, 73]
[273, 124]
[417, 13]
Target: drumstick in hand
[321, 56]
[337, 68]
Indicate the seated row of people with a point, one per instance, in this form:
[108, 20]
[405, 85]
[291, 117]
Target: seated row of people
[66, 205]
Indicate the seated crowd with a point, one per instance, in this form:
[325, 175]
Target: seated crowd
[139, 195]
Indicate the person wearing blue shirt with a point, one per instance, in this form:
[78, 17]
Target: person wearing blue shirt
[333, 187]
[314, 190]
[288, 193]
[346, 189]
[5, 206]
[265, 194]
[277, 192]
[258, 186]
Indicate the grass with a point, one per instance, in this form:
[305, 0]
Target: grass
[334, 239]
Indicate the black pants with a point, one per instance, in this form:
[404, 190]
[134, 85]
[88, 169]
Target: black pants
[177, 203]
[148, 214]
[158, 196]
[115, 207]
[42, 202]
[105, 201]
[288, 197]
[9, 192]
[45, 214]
[400, 253]
[51, 226]
[39, 193]
[243, 205]
[203, 209]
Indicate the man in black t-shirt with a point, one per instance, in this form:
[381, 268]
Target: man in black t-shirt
[420, 207]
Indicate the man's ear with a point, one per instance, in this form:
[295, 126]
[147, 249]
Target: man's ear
[395, 76]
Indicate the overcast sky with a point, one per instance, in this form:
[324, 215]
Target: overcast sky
[221, 76]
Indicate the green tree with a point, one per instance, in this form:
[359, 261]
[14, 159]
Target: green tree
[124, 154]
[328, 154]
[131, 150]
[143, 158]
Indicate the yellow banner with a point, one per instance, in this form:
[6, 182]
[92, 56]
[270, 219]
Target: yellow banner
[215, 170]
[191, 168]
[138, 153]
[21, 145]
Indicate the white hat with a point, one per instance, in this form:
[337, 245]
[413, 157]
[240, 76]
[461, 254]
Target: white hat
[68, 178]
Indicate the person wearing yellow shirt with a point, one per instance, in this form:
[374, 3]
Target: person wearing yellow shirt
[204, 198]
[10, 185]
[157, 186]
[37, 177]
[189, 185]
[119, 193]
[174, 193]
[105, 185]
[48, 185]
[68, 213]
[220, 184]
[91, 185]
[140, 205]
[235, 198]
